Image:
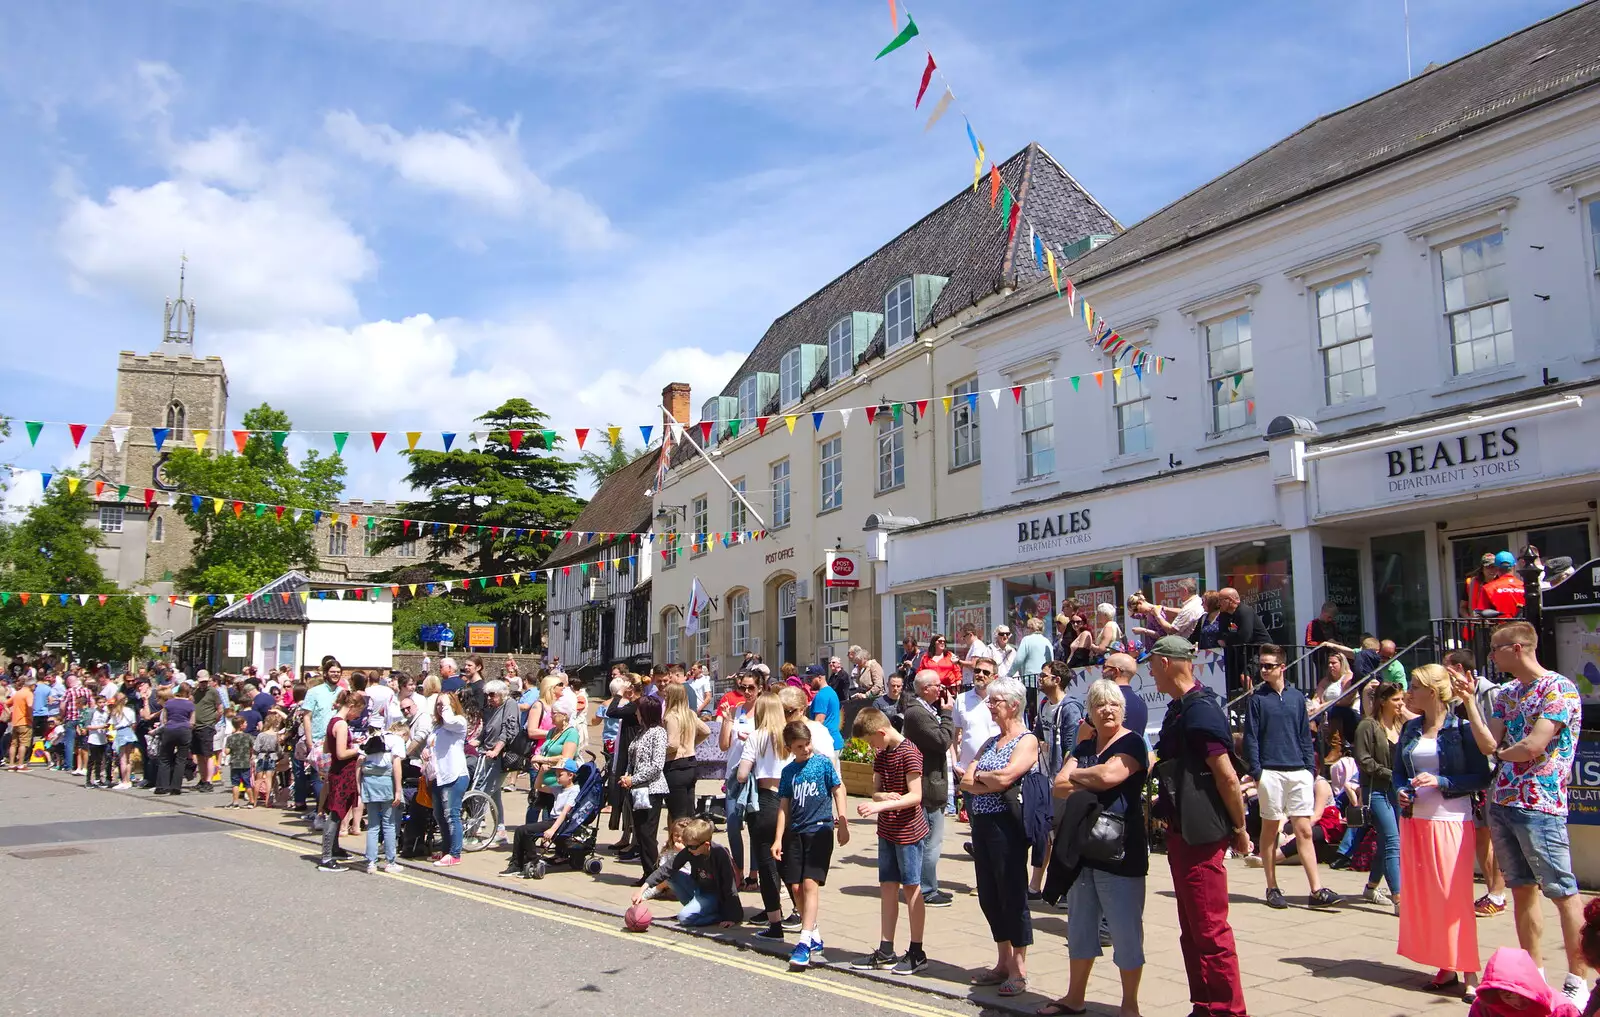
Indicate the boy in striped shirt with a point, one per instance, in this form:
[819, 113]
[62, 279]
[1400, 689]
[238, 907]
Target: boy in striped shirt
[902, 828]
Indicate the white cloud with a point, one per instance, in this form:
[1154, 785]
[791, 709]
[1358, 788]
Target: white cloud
[482, 165]
[231, 157]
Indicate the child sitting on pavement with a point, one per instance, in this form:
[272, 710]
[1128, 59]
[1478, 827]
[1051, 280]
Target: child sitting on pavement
[706, 890]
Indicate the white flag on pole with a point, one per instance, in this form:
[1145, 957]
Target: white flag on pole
[699, 603]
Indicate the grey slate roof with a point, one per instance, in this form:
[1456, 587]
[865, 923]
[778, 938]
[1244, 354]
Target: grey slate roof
[963, 240]
[1541, 63]
[266, 605]
[619, 505]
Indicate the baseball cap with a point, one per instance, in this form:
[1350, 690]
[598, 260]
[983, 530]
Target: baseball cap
[1505, 559]
[570, 765]
[814, 671]
[1174, 648]
[1487, 559]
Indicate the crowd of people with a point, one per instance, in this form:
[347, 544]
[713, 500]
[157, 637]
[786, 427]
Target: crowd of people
[1429, 773]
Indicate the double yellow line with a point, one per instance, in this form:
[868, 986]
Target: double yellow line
[736, 960]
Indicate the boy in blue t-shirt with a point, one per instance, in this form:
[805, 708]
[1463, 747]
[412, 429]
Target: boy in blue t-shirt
[824, 708]
[810, 806]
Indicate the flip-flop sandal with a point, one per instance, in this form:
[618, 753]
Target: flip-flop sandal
[1056, 1008]
[988, 976]
[1013, 986]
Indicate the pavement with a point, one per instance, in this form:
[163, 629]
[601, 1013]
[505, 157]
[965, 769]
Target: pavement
[1293, 961]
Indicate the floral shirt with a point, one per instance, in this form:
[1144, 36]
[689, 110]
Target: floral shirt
[1539, 785]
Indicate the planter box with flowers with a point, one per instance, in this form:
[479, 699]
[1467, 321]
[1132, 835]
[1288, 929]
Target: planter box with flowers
[855, 767]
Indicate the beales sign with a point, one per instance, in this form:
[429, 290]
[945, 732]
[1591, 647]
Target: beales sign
[1458, 462]
[1062, 530]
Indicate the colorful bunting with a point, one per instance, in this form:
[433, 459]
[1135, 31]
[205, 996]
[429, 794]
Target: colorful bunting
[77, 433]
[159, 435]
[239, 440]
[940, 108]
[906, 35]
[34, 427]
[200, 439]
[412, 437]
[927, 76]
[339, 438]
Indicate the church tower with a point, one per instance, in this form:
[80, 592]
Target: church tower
[174, 389]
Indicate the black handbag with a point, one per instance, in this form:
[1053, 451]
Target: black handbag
[1107, 839]
[1357, 813]
[518, 753]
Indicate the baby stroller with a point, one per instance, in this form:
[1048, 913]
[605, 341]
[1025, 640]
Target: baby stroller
[574, 842]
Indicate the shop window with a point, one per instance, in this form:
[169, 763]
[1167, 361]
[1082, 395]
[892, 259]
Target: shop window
[1038, 431]
[1131, 398]
[967, 604]
[1400, 585]
[780, 493]
[1344, 335]
[1259, 570]
[1476, 305]
[1230, 375]
[914, 616]
[1092, 585]
[964, 445]
[1025, 597]
[277, 647]
[1161, 574]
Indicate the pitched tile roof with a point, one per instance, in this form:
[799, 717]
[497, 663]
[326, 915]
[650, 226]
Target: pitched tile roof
[265, 605]
[1542, 63]
[620, 505]
[963, 240]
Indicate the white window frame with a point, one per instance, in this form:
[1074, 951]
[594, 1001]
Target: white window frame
[900, 314]
[1131, 390]
[1330, 318]
[671, 541]
[841, 350]
[672, 625]
[111, 518]
[738, 518]
[891, 451]
[339, 540]
[1469, 310]
[700, 525]
[835, 601]
[830, 474]
[702, 640]
[781, 494]
[1036, 449]
[791, 387]
[739, 621]
[1242, 316]
[966, 445]
[749, 389]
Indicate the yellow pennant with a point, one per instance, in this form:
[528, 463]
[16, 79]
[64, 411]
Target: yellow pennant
[1050, 263]
[192, 598]
[977, 168]
[1088, 316]
[615, 434]
[72, 485]
[305, 596]
[412, 437]
[413, 588]
[1116, 374]
[788, 420]
[516, 577]
[200, 439]
[947, 400]
[453, 529]
[216, 506]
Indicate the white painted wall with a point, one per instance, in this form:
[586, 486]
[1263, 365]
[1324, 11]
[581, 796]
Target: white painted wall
[360, 633]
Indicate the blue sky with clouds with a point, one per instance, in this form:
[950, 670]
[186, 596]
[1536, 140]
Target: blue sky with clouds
[399, 213]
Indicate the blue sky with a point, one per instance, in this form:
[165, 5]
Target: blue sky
[398, 213]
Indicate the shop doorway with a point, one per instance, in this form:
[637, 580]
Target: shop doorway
[788, 602]
[1466, 553]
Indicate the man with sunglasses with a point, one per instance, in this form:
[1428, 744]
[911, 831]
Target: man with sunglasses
[970, 712]
[1282, 759]
[1533, 732]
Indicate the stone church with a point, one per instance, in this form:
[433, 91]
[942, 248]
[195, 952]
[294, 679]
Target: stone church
[145, 547]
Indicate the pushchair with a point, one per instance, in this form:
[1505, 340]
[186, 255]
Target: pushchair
[574, 842]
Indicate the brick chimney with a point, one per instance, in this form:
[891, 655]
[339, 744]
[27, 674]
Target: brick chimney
[675, 400]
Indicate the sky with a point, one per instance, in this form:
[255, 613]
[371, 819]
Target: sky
[399, 213]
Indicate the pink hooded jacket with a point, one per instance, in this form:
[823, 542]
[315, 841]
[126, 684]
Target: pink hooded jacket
[1513, 970]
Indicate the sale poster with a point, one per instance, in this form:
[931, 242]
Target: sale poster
[1168, 590]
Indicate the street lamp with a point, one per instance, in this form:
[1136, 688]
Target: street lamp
[666, 514]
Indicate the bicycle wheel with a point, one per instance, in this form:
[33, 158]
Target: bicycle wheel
[478, 821]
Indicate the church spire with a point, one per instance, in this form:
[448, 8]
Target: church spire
[178, 323]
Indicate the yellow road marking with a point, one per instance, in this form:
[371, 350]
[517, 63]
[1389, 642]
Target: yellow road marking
[736, 961]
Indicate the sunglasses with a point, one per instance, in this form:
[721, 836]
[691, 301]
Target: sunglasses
[747, 688]
[983, 674]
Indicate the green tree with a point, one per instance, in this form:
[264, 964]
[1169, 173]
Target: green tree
[502, 497]
[52, 551]
[239, 553]
[413, 613]
[601, 464]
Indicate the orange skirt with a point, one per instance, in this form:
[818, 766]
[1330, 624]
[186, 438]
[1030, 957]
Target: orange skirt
[1437, 925]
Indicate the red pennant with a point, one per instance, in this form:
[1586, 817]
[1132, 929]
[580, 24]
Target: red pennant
[499, 580]
[249, 597]
[239, 438]
[394, 591]
[516, 440]
[1011, 222]
[149, 497]
[24, 596]
[1250, 405]
[494, 531]
[405, 526]
[872, 411]
[994, 184]
[238, 509]
[1016, 393]
[705, 432]
[172, 598]
[102, 599]
[927, 75]
[278, 510]
[582, 433]
[77, 433]
[285, 597]
[566, 570]
[761, 425]
[377, 439]
[99, 486]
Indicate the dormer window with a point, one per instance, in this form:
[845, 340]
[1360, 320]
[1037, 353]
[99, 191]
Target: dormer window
[748, 408]
[841, 351]
[899, 314]
[796, 370]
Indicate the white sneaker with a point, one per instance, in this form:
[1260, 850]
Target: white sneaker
[372, 868]
[318, 823]
[1575, 992]
[1376, 895]
[393, 867]
[79, 773]
[1253, 861]
[125, 786]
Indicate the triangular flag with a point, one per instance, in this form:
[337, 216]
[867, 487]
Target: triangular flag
[894, 410]
[72, 485]
[83, 600]
[1138, 371]
[200, 439]
[994, 397]
[549, 439]
[277, 510]
[413, 588]
[705, 431]
[994, 184]
[927, 76]
[1074, 383]
[449, 439]
[816, 421]
[1005, 203]
[972, 402]
[515, 440]
[238, 509]
[25, 596]
[1050, 265]
[906, 35]
[278, 438]
[947, 400]
[159, 436]
[1070, 292]
[1100, 379]
[645, 431]
[377, 439]
[581, 433]
[239, 439]
[102, 599]
[761, 425]
[261, 510]
[339, 438]
[122, 492]
[940, 108]
[77, 433]
[1016, 393]
[34, 427]
[733, 427]
[216, 506]
[1012, 217]
[118, 436]
[844, 417]
[1038, 248]
[789, 421]
[977, 164]
[1116, 374]
[614, 435]
[45, 477]
[412, 437]
[149, 497]
[872, 413]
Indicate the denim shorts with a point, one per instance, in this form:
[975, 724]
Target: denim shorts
[1532, 848]
[899, 863]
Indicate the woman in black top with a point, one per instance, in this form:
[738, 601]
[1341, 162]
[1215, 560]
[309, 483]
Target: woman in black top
[177, 733]
[1113, 765]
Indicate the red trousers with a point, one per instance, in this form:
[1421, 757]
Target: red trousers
[1200, 883]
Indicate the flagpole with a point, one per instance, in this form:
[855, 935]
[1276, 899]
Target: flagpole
[711, 463]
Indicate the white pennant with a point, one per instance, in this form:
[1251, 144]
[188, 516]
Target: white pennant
[338, 594]
[118, 436]
[297, 514]
[172, 499]
[844, 418]
[677, 433]
[230, 598]
[472, 436]
[83, 600]
[994, 394]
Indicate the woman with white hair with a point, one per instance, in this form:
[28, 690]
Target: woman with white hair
[1108, 634]
[1111, 765]
[999, 842]
[560, 744]
[502, 719]
[1033, 652]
